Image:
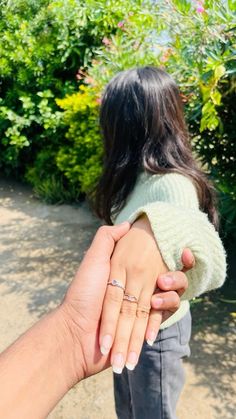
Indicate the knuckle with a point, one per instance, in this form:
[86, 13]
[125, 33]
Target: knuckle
[128, 309]
[104, 233]
[103, 230]
[136, 269]
[141, 314]
[143, 311]
[114, 295]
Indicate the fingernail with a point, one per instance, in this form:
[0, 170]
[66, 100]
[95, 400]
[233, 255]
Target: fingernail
[168, 280]
[192, 262]
[157, 302]
[118, 363]
[106, 344]
[132, 361]
[151, 336]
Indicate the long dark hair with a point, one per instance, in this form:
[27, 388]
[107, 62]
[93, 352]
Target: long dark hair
[143, 127]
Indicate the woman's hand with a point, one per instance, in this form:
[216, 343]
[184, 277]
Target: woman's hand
[136, 263]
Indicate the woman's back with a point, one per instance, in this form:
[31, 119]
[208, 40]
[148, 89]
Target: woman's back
[173, 188]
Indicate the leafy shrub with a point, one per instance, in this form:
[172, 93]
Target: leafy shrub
[43, 44]
[80, 158]
[195, 42]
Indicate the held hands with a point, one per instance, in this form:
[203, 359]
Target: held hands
[83, 304]
[63, 347]
[127, 317]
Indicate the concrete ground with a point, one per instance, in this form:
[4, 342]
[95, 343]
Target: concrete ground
[40, 249]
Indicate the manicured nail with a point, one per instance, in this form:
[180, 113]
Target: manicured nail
[106, 344]
[151, 336]
[118, 363]
[168, 280]
[157, 302]
[132, 361]
[192, 262]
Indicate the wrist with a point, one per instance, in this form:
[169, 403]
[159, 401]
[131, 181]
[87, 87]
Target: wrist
[142, 223]
[70, 347]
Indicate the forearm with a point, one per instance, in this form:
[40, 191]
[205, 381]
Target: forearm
[37, 370]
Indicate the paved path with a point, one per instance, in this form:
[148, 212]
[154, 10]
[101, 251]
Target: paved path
[40, 249]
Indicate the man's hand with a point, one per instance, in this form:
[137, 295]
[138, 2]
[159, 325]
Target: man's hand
[172, 286]
[61, 348]
[82, 305]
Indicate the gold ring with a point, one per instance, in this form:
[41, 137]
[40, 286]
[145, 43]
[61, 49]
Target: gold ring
[143, 311]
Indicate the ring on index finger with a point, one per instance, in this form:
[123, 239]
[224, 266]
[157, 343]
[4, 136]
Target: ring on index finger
[116, 283]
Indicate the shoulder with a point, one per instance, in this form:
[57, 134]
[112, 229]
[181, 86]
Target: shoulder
[174, 188]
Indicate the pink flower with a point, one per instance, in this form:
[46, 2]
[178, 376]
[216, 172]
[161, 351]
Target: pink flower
[200, 9]
[81, 74]
[121, 24]
[106, 41]
[89, 80]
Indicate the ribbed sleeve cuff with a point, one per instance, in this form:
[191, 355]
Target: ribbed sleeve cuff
[176, 228]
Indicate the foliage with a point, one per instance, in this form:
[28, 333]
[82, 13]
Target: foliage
[80, 158]
[43, 43]
[196, 43]
[58, 56]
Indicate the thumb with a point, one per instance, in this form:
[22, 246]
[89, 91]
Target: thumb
[104, 241]
[188, 260]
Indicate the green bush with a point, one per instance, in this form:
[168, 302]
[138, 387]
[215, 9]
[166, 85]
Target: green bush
[195, 42]
[80, 158]
[43, 45]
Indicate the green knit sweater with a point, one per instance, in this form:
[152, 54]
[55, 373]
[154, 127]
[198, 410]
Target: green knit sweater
[171, 204]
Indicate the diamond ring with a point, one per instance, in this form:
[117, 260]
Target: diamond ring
[116, 283]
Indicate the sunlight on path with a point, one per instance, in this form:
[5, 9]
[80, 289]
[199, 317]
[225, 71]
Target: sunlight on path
[40, 249]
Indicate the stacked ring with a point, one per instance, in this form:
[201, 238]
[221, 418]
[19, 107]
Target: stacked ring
[130, 298]
[116, 283]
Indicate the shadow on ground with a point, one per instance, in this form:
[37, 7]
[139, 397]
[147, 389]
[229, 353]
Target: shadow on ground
[213, 353]
[41, 246]
[40, 249]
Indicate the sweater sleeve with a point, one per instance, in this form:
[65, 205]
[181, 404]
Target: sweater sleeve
[177, 223]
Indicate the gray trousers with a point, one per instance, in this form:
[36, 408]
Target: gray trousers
[152, 390]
